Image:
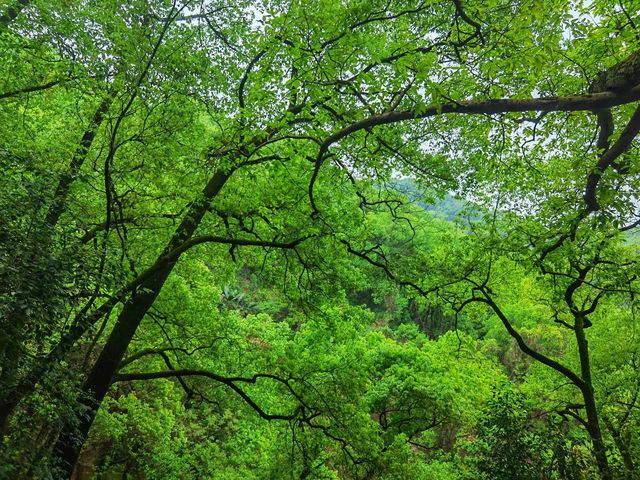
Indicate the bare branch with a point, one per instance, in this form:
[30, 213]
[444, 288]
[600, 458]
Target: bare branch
[36, 88]
[558, 367]
[589, 102]
[228, 381]
[608, 157]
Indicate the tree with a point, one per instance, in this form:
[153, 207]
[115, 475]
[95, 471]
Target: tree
[169, 99]
[567, 283]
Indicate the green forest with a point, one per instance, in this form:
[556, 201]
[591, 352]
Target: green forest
[320, 239]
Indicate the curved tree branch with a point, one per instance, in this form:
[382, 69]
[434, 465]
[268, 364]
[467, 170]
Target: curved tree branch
[608, 157]
[36, 88]
[228, 381]
[558, 367]
[570, 103]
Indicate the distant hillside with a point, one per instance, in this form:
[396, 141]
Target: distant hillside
[448, 208]
[633, 236]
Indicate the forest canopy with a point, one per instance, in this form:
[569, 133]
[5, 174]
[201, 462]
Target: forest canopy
[319, 239]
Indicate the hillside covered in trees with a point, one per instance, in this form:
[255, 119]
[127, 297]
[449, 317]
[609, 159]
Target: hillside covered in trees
[319, 239]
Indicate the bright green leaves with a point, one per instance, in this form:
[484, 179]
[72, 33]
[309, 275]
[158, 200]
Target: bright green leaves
[507, 443]
[292, 99]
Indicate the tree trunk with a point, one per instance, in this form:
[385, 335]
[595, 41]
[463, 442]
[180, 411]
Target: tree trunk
[7, 406]
[593, 424]
[97, 383]
[73, 436]
[66, 179]
[584, 382]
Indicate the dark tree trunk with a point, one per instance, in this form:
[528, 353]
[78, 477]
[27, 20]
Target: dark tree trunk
[7, 406]
[583, 382]
[66, 179]
[72, 436]
[99, 379]
[593, 424]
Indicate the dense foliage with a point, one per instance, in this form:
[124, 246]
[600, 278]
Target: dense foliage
[319, 239]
